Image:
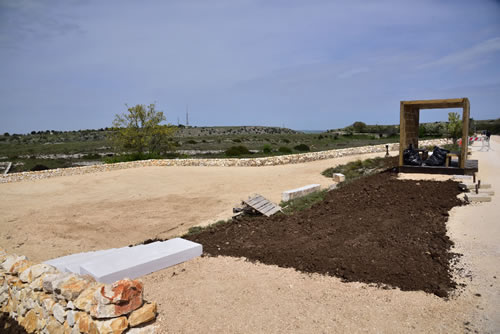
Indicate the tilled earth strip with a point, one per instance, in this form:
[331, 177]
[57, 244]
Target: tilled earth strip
[377, 229]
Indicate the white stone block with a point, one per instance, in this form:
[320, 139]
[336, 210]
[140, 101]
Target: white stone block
[71, 263]
[472, 197]
[299, 192]
[463, 177]
[143, 260]
[338, 177]
[471, 186]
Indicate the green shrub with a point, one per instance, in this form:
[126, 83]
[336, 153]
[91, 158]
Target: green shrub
[286, 141]
[237, 140]
[302, 148]
[91, 156]
[237, 150]
[132, 157]
[267, 148]
[191, 141]
[284, 149]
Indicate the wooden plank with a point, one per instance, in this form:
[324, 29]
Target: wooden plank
[272, 212]
[255, 200]
[402, 133]
[268, 207]
[471, 167]
[262, 205]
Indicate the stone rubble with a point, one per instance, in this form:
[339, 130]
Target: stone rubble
[229, 162]
[43, 300]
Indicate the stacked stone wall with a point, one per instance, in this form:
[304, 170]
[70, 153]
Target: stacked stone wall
[230, 162]
[42, 299]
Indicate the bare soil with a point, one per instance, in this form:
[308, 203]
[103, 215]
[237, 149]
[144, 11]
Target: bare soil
[377, 229]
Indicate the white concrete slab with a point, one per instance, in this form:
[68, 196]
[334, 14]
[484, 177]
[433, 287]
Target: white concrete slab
[299, 192]
[62, 262]
[74, 266]
[143, 260]
[488, 192]
[477, 197]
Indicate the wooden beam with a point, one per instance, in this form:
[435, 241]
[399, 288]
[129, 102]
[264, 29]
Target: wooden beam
[402, 133]
[465, 132]
[436, 104]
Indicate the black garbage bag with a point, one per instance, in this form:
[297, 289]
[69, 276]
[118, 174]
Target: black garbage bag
[411, 157]
[438, 157]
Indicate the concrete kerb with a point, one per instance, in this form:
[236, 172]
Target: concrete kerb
[230, 162]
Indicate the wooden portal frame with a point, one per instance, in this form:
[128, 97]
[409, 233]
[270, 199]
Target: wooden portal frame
[409, 122]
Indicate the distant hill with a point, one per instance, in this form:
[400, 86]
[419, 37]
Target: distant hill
[198, 131]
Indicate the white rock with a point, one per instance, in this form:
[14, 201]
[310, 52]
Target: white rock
[59, 313]
[10, 260]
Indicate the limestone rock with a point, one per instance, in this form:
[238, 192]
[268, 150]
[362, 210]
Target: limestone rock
[36, 271]
[83, 322]
[112, 326]
[54, 327]
[66, 328]
[14, 282]
[59, 313]
[30, 321]
[142, 315]
[37, 284]
[10, 260]
[149, 329]
[20, 266]
[21, 310]
[121, 297]
[47, 305]
[47, 282]
[86, 298]
[53, 281]
[41, 323]
[72, 317]
[71, 288]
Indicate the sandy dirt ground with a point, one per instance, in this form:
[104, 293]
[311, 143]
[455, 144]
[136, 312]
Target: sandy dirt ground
[117, 208]
[55, 217]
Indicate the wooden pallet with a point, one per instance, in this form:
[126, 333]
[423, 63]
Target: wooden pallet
[262, 205]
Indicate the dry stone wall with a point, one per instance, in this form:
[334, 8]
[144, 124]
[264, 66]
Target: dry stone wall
[232, 162]
[43, 300]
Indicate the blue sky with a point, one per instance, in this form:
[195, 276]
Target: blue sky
[73, 64]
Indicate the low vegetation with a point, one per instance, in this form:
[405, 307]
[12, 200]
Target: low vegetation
[302, 203]
[360, 168]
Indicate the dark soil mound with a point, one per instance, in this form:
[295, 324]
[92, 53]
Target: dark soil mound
[9, 325]
[376, 229]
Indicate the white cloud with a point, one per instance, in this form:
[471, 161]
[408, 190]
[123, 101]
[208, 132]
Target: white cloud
[353, 72]
[474, 54]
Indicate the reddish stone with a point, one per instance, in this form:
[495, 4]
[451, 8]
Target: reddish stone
[122, 297]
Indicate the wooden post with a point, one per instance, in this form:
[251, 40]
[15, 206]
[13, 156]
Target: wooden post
[402, 132]
[465, 132]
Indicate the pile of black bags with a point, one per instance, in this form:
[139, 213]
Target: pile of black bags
[412, 158]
